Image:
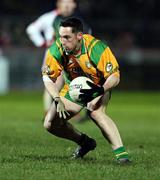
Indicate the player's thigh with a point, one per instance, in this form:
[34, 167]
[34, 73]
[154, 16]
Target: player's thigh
[102, 105]
[105, 99]
[103, 102]
[70, 106]
[52, 118]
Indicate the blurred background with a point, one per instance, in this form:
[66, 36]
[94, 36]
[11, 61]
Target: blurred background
[130, 28]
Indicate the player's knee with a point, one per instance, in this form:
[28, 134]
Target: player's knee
[94, 114]
[52, 125]
[47, 122]
[47, 125]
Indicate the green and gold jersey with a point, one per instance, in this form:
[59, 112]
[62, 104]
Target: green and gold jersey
[96, 61]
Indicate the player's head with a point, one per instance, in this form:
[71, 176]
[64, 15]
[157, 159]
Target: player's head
[71, 34]
[66, 7]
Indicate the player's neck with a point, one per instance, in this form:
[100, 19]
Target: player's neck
[78, 48]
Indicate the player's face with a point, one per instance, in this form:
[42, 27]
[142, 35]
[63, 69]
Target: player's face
[70, 41]
[66, 7]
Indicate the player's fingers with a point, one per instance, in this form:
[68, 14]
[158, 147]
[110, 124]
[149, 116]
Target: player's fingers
[92, 85]
[64, 116]
[67, 113]
[60, 114]
[57, 109]
[85, 91]
[90, 107]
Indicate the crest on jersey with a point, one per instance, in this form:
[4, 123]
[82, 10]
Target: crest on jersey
[88, 64]
[109, 67]
[46, 70]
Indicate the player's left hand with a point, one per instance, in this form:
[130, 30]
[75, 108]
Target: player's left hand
[94, 104]
[88, 95]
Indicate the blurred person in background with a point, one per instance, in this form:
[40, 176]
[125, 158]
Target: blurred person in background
[43, 31]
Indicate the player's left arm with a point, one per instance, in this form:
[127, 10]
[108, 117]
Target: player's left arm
[111, 82]
[107, 64]
[109, 67]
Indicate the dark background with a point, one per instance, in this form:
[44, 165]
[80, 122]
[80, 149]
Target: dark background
[107, 17]
[131, 28]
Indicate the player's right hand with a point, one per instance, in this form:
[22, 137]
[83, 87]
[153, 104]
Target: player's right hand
[61, 108]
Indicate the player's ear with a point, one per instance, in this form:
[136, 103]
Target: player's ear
[79, 35]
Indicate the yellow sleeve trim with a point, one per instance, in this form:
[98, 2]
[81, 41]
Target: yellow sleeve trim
[93, 44]
[59, 46]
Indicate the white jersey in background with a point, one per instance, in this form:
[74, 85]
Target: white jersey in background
[41, 31]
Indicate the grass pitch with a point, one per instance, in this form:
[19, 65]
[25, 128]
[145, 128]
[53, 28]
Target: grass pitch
[28, 152]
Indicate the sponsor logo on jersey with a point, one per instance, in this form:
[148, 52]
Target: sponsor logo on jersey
[109, 67]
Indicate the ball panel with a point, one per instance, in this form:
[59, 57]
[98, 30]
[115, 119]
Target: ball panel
[76, 85]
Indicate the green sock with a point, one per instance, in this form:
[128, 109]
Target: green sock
[120, 153]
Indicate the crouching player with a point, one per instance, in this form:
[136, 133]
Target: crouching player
[79, 54]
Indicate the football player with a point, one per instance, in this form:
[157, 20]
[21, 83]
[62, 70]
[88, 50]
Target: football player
[77, 54]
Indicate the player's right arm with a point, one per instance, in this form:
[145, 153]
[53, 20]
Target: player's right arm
[52, 88]
[106, 63]
[52, 77]
[51, 70]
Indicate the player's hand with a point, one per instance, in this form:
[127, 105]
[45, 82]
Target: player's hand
[88, 95]
[94, 104]
[61, 108]
[49, 43]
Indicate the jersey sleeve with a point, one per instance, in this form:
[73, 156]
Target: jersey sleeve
[52, 66]
[104, 59]
[108, 63]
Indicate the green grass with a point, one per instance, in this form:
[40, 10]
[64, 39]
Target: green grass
[28, 152]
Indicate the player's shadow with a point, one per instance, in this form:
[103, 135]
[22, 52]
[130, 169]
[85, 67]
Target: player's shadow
[58, 159]
[36, 157]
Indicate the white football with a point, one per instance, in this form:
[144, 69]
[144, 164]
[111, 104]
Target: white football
[76, 85]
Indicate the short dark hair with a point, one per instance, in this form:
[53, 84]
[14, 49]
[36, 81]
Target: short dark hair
[73, 22]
